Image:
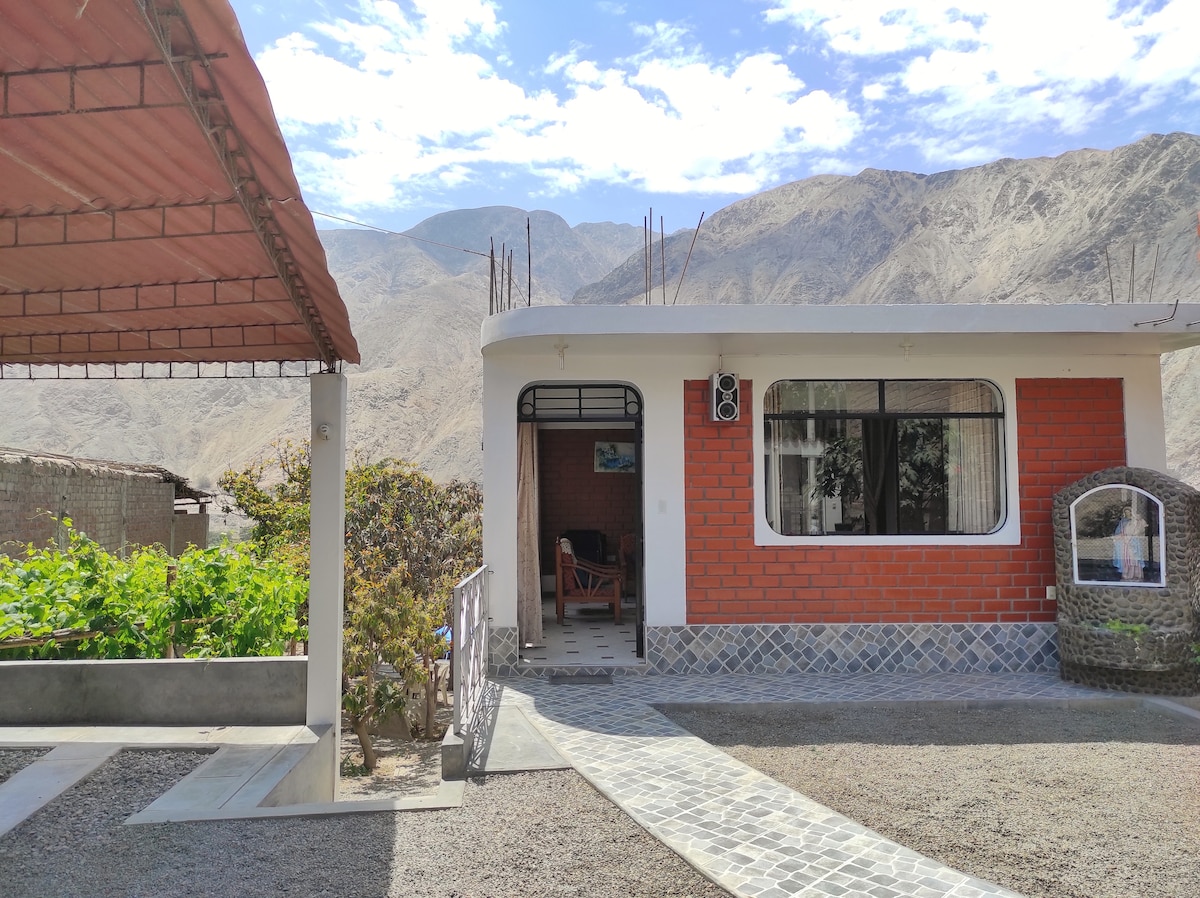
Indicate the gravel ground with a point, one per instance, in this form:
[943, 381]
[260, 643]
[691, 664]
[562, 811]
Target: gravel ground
[1050, 802]
[13, 759]
[1094, 803]
[529, 835]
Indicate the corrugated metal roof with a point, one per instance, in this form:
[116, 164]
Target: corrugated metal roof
[148, 207]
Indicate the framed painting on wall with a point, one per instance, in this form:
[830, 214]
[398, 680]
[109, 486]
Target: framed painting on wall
[616, 458]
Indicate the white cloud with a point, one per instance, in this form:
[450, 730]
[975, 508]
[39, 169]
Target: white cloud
[996, 66]
[680, 126]
[875, 91]
[875, 27]
[398, 103]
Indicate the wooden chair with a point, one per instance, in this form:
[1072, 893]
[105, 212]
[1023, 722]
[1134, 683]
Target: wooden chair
[577, 580]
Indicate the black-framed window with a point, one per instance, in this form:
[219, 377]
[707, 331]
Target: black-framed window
[884, 457]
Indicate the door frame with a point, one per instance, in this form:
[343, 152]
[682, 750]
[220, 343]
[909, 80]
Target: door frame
[600, 404]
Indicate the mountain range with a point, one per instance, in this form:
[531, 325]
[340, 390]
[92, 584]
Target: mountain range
[1086, 226]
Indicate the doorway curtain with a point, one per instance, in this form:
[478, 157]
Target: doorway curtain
[529, 565]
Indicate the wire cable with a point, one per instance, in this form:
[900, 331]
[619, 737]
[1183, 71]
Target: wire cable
[363, 224]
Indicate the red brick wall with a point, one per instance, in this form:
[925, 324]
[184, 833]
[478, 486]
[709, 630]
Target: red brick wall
[574, 497]
[1066, 428]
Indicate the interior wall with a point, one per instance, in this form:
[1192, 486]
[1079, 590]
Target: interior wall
[574, 496]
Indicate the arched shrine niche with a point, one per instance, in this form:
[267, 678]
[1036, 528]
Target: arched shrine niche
[1127, 565]
[1117, 537]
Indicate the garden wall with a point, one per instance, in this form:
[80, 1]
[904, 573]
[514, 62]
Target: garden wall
[179, 692]
[116, 505]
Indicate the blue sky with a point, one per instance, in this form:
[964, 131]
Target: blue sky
[598, 110]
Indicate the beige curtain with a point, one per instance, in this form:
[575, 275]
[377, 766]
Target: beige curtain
[529, 566]
[971, 462]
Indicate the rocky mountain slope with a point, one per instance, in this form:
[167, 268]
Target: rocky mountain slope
[1023, 231]
[1085, 226]
[416, 309]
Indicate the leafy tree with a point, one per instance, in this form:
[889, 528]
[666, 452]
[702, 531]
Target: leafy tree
[278, 506]
[408, 541]
[922, 474]
[840, 469]
[920, 459]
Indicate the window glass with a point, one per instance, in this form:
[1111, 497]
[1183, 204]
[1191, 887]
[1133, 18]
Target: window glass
[826, 396]
[1117, 537]
[930, 464]
[940, 396]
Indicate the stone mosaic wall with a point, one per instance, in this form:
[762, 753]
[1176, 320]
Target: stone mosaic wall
[504, 657]
[818, 648]
[852, 648]
[1133, 638]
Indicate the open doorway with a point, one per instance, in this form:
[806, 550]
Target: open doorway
[580, 479]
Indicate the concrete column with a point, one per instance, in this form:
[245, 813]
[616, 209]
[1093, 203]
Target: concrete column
[327, 559]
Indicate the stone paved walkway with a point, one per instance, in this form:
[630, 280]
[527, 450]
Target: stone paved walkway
[750, 834]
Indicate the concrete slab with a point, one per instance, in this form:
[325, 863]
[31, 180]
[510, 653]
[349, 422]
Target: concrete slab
[514, 745]
[80, 751]
[258, 788]
[246, 778]
[198, 792]
[246, 735]
[28, 737]
[449, 795]
[149, 736]
[234, 761]
[32, 788]
[240, 776]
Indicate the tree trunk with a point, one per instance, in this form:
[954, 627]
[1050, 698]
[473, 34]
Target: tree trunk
[359, 725]
[430, 701]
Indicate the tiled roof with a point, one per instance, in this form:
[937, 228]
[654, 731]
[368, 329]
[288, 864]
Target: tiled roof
[148, 208]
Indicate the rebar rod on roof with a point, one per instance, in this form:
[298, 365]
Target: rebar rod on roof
[492, 277]
[695, 234]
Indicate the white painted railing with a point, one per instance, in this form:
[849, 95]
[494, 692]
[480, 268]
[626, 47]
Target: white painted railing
[470, 647]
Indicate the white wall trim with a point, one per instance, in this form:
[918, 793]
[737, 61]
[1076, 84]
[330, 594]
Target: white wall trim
[660, 379]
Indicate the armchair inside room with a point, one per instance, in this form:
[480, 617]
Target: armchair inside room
[577, 580]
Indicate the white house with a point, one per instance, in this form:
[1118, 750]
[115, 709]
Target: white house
[869, 487]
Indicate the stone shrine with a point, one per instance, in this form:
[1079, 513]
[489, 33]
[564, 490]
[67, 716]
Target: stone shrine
[1127, 564]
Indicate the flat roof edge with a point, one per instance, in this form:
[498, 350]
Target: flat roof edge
[928, 319]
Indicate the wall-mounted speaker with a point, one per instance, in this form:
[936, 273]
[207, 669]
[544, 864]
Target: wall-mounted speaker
[724, 401]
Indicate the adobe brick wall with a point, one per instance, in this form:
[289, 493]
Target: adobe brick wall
[575, 497]
[1066, 428]
[190, 530]
[114, 507]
